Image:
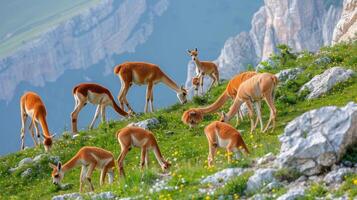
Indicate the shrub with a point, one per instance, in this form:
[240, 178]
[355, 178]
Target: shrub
[287, 174]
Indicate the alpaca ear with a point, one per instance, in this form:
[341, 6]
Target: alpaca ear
[52, 165]
[188, 51]
[59, 166]
[196, 49]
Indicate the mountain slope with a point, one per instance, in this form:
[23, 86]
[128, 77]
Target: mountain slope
[186, 148]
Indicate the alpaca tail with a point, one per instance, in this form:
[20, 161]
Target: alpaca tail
[117, 69]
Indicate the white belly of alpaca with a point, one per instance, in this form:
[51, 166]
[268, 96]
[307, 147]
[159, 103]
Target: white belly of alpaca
[96, 98]
[101, 163]
[222, 142]
[138, 143]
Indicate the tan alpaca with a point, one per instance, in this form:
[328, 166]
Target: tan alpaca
[31, 105]
[196, 85]
[138, 137]
[204, 68]
[220, 134]
[253, 90]
[97, 95]
[142, 73]
[89, 158]
[194, 116]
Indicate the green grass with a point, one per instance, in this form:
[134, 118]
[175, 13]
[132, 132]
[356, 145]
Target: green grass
[185, 148]
[24, 20]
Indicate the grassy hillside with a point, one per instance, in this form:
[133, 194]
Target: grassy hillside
[24, 20]
[186, 148]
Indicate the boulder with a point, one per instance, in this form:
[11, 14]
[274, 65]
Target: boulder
[318, 138]
[103, 195]
[269, 157]
[25, 161]
[146, 124]
[260, 178]
[337, 176]
[26, 173]
[223, 176]
[324, 82]
[71, 196]
[292, 194]
[323, 60]
[289, 74]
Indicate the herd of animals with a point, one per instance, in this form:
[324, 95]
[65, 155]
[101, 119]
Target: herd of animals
[247, 87]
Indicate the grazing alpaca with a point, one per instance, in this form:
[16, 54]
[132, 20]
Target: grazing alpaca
[89, 158]
[196, 85]
[139, 137]
[220, 134]
[97, 95]
[142, 73]
[32, 105]
[204, 68]
[194, 116]
[253, 90]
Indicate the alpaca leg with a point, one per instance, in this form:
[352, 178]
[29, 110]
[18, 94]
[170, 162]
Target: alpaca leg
[33, 132]
[147, 158]
[251, 114]
[102, 113]
[211, 154]
[37, 132]
[201, 83]
[259, 115]
[23, 126]
[82, 178]
[121, 160]
[270, 101]
[74, 115]
[152, 97]
[89, 174]
[95, 117]
[143, 156]
[213, 82]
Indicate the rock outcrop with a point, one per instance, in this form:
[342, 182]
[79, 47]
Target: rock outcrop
[324, 82]
[288, 74]
[260, 178]
[95, 35]
[346, 28]
[146, 124]
[318, 138]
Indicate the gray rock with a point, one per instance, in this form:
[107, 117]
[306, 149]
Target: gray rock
[324, 82]
[293, 194]
[301, 179]
[271, 186]
[347, 163]
[266, 159]
[103, 195]
[25, 161]
[71, 196]
[39, 157]
[336, 177]
[346, 27]
[260, 178]
[26, 173]
[221, 177]
[318, 138]
[323, 60]
[260, 197]
[146, 124]
[266, 63]
[288, 74]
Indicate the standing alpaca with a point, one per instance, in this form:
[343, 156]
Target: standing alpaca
[220, 134]
[32, 105]
[194, 116]
[89, 158]
[142, 73]
[260, 86]
[204, 68]
[97, 95]
[139, 137]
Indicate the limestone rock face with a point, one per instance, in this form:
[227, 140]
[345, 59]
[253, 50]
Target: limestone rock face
[146, 124]
[322, 83]
[318, 138]
[260, 178]
[346, 28]
[292, 194]
[288, 74]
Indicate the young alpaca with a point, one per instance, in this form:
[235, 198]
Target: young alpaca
[142, 73]
[204, 68]
[139, 137]
[97, 95]
[194, 116]
[220, 134]
[32, 105]
[89, 158]
[196, 85]
[253, 90]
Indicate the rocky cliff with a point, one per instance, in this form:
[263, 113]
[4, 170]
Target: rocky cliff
[346, 28]
[302, 24]
[110, 27]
